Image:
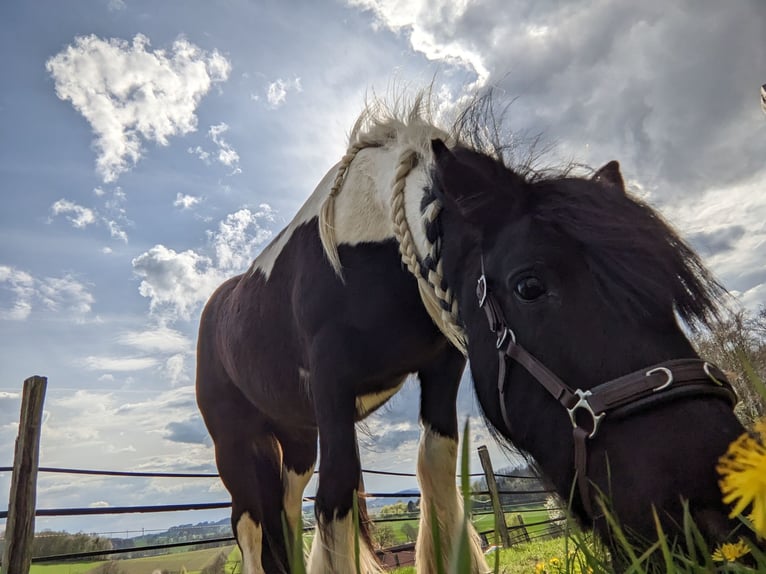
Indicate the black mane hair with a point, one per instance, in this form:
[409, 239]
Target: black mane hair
[631, 250]
[639, 261]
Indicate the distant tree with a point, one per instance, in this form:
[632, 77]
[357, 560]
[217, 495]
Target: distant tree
[393, 509]
[738, 346]
[383, 536]
[111, 567]
[49, 543]
[217, 566]
[410, 532]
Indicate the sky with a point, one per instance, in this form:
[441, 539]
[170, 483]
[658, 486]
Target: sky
[149, 150]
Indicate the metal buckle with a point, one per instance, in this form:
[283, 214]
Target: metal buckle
[584, 404]
[481, 290]
[502, 337]
[668, 374]
[706, 367]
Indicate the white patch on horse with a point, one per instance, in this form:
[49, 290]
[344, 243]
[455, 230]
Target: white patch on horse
[362, 208]
[365, 404]
[268, 257]
[437, 465]
[332, 551]
[250, 539]
[292, 501]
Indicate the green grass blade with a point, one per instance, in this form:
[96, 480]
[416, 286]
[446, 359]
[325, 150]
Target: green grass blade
[756, 382]
[663, 541]
[294, 543]
[437, 540]
[462, 557]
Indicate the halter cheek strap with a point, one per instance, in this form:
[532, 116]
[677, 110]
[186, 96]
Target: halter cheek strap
[617, 398]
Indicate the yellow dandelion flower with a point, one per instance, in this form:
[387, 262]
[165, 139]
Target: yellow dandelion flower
[743, 472]
[540, 568]
[729, 552]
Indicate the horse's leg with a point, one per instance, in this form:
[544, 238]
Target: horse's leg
[249, 460]
[437, 466]
[299, 453]
[333, 549]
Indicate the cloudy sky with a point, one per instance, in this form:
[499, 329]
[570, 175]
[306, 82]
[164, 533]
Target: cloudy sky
[150, 149]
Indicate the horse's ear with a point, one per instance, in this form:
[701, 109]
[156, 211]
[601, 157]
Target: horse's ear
[609, 176]
[457, 182]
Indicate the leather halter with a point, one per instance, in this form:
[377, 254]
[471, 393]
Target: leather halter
[616, 398]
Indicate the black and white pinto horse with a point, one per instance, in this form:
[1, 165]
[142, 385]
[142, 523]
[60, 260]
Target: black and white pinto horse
[421, 248]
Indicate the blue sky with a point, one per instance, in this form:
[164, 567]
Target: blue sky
[150, 149]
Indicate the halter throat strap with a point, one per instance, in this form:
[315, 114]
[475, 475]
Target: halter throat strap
[617, 398]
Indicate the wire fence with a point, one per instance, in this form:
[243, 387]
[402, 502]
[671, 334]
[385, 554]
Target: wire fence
[519, 509]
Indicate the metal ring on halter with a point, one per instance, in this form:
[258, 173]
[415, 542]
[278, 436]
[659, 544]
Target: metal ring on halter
[668, 374]
[502, 337]
[706, 367]
[481, 290]
[583, 403]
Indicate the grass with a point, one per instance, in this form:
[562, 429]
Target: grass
[522, 558]
[193, 561]
[67, 568]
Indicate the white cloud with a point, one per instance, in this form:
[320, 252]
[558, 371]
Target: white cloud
[130, 94]
[21, 286]
[160, 339]
[113, 216]
[119, 364]
[78, 215]
[186, 201]
[431, 27]
[240, 235]
[65, 293]
[59, 294]
[226, 154]
[115, 5]
[276, 91]
[176, 369]
[177, 283]
[200, 153]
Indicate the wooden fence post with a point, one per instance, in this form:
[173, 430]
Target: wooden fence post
[489, 474]
[20, 525]
[518, 524]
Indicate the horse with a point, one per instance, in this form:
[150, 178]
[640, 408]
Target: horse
[570, 298]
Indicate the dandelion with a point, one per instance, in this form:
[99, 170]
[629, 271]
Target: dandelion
[729, 552]
[540, 568]
[743, 471]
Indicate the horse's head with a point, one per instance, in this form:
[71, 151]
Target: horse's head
[590, 283]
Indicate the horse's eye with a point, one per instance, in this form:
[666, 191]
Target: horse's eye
[529, 288]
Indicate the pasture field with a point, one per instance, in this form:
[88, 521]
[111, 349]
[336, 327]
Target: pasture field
[67, 568]
[193, 561]
[482, 522]
[524, 558]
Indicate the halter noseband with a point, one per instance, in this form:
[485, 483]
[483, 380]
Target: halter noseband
[617, 398]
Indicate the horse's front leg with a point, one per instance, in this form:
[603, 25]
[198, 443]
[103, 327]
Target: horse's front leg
[437, 466]
[333, 549]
